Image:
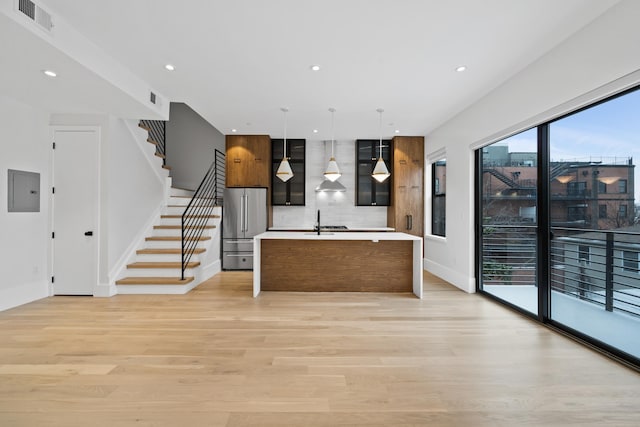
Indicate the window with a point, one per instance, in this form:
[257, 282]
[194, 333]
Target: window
[622, 211]
[438, 201]
[622, 186]
[576, 213]
[602, 187]
[630, 261]
[602, 211]
[584, 253]
[576, 188]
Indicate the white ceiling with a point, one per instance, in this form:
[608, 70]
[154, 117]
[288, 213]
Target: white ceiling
[239, 61]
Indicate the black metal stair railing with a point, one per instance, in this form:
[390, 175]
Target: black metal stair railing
[157, 134]
[220, 177]
[199, 210]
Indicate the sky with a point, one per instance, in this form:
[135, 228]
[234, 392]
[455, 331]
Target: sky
[607, 131]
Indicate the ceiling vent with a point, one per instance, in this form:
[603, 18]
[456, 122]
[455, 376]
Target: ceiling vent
[36, 14]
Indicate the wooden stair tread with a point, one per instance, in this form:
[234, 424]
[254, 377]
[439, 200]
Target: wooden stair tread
[190, 216]
[179, 227]
[162, 156]
[147, 128]
[165, 251]
[166, 167]
[173, 238]
[192, 264]
[154, 281]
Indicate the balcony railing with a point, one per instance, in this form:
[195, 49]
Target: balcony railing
[601, 267]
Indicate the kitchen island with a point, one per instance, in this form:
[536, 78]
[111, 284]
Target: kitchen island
[337, 262]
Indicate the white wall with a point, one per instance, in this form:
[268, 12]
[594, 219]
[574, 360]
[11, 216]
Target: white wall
[335, 208]
[191, 143]
[599, 60]
[24, 240]
[135, 190]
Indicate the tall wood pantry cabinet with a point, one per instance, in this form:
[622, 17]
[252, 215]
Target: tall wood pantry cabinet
[406, 211]
[248, 161]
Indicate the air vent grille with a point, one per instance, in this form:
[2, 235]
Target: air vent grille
[28, 8]
[152, 98]
[43, 19]
[36, 14]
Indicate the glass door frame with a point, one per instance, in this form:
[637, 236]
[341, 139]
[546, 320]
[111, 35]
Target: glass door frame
[545, 236]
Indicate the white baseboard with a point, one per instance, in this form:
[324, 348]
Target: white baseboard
[105, 290]
[23, 294]
[210, 270]
[464, 282]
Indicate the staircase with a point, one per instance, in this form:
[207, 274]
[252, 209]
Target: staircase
[157, 268]
[183, 246]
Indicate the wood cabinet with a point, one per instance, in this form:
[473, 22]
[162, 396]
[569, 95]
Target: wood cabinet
[248, 161]
[292, 192]
[406, 211]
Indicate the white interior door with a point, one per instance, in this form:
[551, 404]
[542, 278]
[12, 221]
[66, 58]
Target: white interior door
[75, 212]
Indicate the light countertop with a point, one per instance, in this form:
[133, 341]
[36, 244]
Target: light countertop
[340, 235]
[358, 229]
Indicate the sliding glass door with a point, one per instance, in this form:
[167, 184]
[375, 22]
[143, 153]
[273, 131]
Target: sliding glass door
[559, 223]
[595, 250]
[509, 220]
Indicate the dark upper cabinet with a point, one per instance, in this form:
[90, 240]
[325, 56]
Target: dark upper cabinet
[370, 192]
[290, 193]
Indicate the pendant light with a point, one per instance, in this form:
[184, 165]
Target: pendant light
[284, 171]
[380, 172]
[332, 172]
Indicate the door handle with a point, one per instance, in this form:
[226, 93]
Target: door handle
[88, 233]
[410, 222]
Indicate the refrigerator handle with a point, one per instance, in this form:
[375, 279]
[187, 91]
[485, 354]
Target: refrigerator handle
[242, 213]
[246, 212]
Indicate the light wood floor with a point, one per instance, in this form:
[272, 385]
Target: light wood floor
[218, 357]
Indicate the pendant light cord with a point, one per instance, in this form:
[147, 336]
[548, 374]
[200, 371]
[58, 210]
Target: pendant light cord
[332, 134]
[284, 154]
[380, 110]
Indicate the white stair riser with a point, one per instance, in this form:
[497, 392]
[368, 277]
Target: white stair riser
[180, 192]
[163, 258]
[157, 272]
[177, 232]
[184, 201]
[155, 244]
[155, 289]
[178, 221]
[179, 210]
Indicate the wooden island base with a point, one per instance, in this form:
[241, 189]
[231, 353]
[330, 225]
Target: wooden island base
[336, 265]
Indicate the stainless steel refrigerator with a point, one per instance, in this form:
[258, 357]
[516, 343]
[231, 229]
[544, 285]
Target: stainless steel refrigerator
[244, 216]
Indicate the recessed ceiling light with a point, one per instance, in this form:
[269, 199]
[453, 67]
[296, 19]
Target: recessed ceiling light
[234, 130]
[397, 130]
[49, 73]
[461, 68]
[315, 68]
[169, 67]
[315, 131]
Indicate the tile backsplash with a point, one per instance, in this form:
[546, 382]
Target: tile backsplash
[335, 208]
